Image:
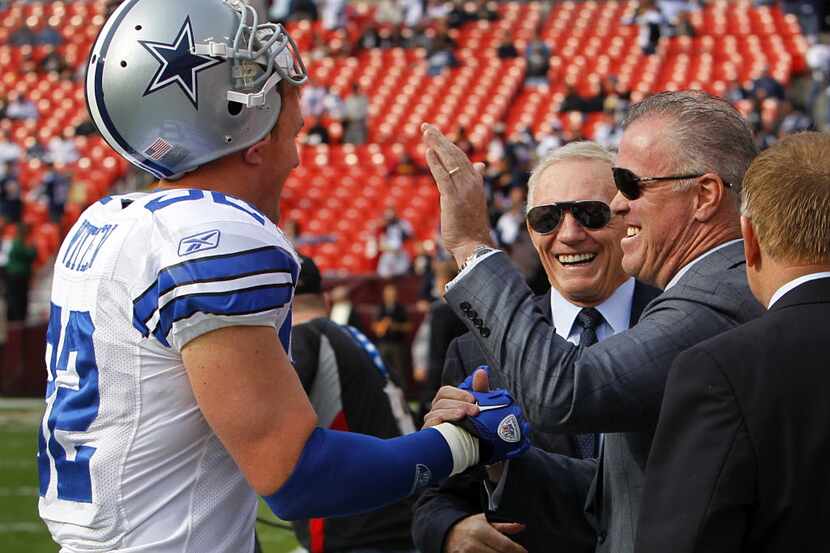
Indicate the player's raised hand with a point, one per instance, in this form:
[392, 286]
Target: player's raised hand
[464, 224]
[475, 534]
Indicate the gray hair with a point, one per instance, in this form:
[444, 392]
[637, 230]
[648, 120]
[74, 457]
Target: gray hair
[708, 133]
[584, 149]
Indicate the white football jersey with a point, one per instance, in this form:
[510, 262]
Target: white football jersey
[126, 460]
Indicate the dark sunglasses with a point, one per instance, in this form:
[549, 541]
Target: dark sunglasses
[629, 184]
[544, 219]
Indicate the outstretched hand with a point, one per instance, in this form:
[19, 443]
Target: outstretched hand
[464, 223]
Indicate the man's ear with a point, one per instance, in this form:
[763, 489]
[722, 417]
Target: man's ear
[752, 249]
[710, 194]
[254, 154]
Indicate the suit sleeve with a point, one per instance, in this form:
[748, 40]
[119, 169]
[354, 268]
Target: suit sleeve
[701, 472]
[613, 386]
[440, 508]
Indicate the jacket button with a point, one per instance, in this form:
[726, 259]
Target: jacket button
[485, 332]
[472, 314]
[465, 306]
[478, 323]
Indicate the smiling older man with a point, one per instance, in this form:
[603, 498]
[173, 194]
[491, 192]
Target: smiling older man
[577, 240]
[681, 161]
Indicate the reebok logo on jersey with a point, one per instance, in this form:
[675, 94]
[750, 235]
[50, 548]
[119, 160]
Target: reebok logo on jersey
[509, 429]
[423, 476]
[207, 240]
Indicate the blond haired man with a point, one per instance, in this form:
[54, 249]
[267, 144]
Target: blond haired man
[739, 461]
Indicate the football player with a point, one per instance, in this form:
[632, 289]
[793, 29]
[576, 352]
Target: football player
[171, 402]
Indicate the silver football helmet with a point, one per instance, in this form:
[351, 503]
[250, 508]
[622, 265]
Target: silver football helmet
[172, 85]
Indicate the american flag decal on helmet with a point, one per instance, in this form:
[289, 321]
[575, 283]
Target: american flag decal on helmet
[158, 149]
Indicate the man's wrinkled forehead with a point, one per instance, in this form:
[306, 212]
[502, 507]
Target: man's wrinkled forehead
[575, 180]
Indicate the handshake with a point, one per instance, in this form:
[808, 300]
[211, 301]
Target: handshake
[491, 416]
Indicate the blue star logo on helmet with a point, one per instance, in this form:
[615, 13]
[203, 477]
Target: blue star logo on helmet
[179, 65]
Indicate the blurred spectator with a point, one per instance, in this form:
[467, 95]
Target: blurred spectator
[394, 233]
[55, 186]
[9, 151]
[407, 167]
[369, 38]
[319, 47]
[512, 220]
[497, 145]
[651, 21]
[440, 54]
[342, 310]
[53, 62]
[85, 128]
[413, 12]
[767, 86]
[389, 12]
[48, 35]
[808, 14]
[422, 268]
[11, 195]
[279, 10]
[20, 107]
[391, 327]
[462, 140]
[537, 54]
[34, 149]
[572, 101]
[317, 133]
[333, 105]
[793, 120]
[313, 100]
[23, 36]
[304, 9]
[506, 49]
[332, 14]
[608, 131]
[438, 10]
[444, 326]
[355, 114]
[62, 149]
[19, 274]
[350, 389]
[818, 100]
[549, 140]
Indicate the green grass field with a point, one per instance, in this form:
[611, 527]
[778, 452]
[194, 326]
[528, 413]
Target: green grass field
[21, 531]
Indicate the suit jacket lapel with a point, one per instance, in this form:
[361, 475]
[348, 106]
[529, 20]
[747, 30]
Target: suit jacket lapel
[643, 294]
[543, 302]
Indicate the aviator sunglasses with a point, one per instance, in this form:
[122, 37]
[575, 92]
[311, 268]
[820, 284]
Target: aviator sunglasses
[593, 215]
[629, 184]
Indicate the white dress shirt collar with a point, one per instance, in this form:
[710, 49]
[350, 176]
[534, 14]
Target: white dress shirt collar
[795, 283]
[616, 310]
[698, 259]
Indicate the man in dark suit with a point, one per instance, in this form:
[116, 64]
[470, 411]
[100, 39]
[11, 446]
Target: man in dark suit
[739, 461]
[449, 519]
[681, 161]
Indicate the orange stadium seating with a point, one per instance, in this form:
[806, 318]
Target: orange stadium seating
[341, 190]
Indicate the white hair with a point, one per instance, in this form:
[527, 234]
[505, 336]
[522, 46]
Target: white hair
[585, 150]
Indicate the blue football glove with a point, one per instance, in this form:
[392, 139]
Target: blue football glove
[501, 427]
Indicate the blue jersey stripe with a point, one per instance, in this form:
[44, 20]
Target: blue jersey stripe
[215, 268]
[234, 302]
